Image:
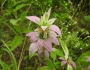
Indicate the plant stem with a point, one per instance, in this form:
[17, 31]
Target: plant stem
[22, 52]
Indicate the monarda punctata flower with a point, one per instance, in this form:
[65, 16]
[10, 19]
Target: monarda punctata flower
[44, 35]
[68, 61]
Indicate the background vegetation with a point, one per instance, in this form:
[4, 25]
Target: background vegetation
[73, 18]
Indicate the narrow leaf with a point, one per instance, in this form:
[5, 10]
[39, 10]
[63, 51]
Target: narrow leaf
[64, 47]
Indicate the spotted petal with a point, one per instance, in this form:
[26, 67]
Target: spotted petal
[34, 19]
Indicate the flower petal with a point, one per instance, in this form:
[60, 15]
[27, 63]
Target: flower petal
[34, 19]
[61, 58]
[33, 48]
[40, 43]
[88, 59]
[33, 38]
[40, 52]
[31, 34]
[89, 67]
[51, 21]
[48, 45]
[63, 63]
[73, 64]
[56, 29]
[52, 32]
[46, 53]
[54, 39]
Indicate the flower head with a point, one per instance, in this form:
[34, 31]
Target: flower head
[44, 35]
[68, 61]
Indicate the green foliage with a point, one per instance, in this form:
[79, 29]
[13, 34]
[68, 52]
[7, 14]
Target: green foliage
[16, 42]
[4, 65]
[64, 47]
[45, 68]
[72, 18]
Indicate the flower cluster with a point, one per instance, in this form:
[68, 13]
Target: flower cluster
[44, 35]
[68, 61]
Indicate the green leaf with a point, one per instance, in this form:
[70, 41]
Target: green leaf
[53, 55]
[45, 68]
[13, 21]
[69, 67]
[27, 30]
[19, 7]
[17, 28]
[16, 42]
[58, 52]
[23, 15]
[82, 21]
[7, 49]
[84, 56]
[87, 18]
[4, 65]
[64, 47]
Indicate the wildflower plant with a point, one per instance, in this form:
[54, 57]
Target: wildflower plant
[44, 35]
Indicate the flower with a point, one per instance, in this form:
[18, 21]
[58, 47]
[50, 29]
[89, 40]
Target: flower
[68, 61]
[88, 59]
[89, 67]
[44, 35]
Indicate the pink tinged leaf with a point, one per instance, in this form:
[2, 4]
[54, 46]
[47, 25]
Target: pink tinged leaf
[73, 64]
[40, 44]
[33, 38]
[52, 32]
[51, 21]
[44, 15]
[34, 19]
[56, 29]
[63, 63]
[49, 11]
[33, 48]
[44, 27]
[48, 45]
[46, 53]
[40, 52]
[88, 59]
[61, 58]
[31, 34]
[54, 39]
